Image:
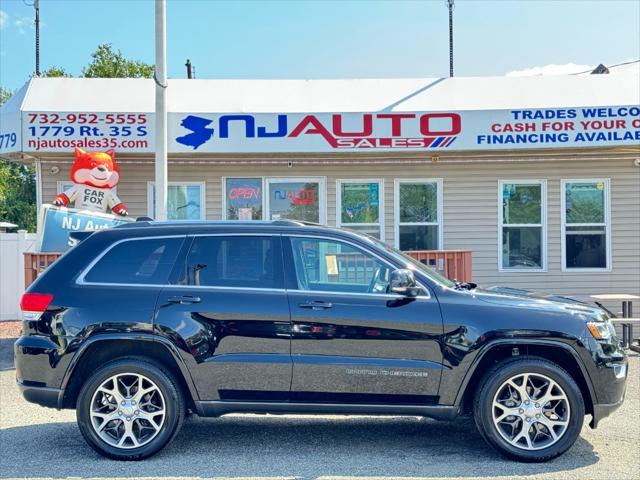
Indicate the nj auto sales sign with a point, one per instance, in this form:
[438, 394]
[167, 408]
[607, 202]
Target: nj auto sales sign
[389, 131]
[328, 132]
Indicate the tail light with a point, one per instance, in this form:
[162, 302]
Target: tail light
[34, 304]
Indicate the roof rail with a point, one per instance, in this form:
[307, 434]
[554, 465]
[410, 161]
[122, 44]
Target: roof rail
[149, 222]
[287, 222]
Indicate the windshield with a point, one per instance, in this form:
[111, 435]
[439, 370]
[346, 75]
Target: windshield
[412, 263]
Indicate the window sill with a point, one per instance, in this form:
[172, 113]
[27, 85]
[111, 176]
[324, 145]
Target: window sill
[586, 270]
[522, 270]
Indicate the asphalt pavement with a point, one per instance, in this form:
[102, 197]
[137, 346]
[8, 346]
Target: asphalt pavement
[6, 354]
[36, 442]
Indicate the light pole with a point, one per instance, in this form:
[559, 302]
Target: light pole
[36, 4]
[36, 21]
[450, 7]
[160, 78]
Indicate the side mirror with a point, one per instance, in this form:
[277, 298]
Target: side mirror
[403, 282]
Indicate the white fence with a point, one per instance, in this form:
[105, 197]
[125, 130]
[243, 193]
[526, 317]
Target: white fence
[12, 246]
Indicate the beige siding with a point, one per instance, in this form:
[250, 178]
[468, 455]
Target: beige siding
[470, 220]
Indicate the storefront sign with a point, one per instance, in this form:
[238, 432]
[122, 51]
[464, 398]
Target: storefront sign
[374, 194]
[330, 132]
[62, 131]
[300, 197]
[294, 199]
[244, 193]
[469, 130]
[55, 223]
[243, 198]
[10, 132]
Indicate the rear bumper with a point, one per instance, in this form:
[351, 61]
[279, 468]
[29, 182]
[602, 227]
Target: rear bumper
[36, 359]
[44, 396]
[39, 362]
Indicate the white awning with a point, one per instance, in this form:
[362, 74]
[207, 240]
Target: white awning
[86, 110]
[315, 96]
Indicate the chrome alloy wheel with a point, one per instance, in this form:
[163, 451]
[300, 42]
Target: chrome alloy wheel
[127, 410]
[531, 411]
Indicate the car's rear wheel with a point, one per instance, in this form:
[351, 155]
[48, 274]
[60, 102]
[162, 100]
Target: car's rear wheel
[130, 409]
[529, 409]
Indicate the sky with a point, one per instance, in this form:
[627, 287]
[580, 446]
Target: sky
[325, 39]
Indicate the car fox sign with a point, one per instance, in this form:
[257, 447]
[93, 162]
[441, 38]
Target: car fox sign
[55, 223]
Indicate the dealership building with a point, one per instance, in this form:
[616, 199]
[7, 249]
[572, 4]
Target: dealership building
[538, 176]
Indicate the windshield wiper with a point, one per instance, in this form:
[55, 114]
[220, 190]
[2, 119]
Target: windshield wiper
[465, 285]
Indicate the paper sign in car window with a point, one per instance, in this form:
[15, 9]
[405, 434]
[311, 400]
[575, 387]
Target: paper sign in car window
[332, 264]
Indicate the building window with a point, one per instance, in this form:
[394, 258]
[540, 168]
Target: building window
[586, 225]
[418, 214]
[63, 185]
[185, 201]
[360, 206]
[522, 225]
[243, 199]
[296, 199]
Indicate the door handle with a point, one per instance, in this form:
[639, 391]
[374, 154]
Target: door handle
[316, 305]
[182, 300]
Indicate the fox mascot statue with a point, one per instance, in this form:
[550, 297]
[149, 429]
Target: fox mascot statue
[95, 175]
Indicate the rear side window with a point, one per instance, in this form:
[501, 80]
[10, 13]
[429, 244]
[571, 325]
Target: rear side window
[234, 261]
[147, 261]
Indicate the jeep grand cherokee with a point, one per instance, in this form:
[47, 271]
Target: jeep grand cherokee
[137, 325]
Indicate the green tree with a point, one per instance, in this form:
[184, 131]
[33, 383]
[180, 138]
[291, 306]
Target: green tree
[17, 182]
[108, 63]
[18, 195]
[17, 188]
[55, 71]
[5, 94]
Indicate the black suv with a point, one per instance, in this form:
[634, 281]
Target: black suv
[138, 325]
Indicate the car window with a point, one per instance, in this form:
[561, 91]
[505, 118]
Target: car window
[334, 266]
[147, 261]
[234, 261]
[409, 262]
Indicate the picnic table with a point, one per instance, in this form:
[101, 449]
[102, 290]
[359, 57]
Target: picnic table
[626, 322]
[627, 325]
[627, 301]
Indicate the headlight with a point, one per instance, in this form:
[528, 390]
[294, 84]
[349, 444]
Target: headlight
[601, 330]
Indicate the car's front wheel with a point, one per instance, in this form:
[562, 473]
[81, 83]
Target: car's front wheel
[529, 409]
[129, 409]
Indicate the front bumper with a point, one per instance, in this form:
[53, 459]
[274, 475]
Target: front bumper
[603, 410]
[611, 391]
[44, 396]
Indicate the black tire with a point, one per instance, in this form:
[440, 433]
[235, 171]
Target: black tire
[492, 381]
[173, 402]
